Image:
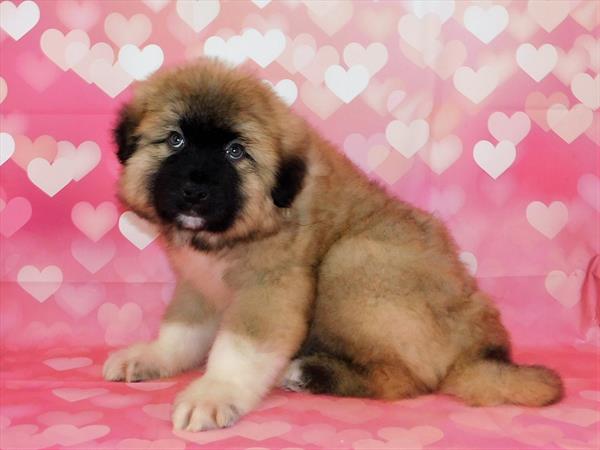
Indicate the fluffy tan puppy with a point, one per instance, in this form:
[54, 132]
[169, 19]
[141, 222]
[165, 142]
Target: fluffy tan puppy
[293, 268]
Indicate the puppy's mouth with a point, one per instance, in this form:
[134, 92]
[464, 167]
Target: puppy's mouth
[191, 221]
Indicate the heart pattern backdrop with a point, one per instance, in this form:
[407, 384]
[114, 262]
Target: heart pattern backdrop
[485, 112]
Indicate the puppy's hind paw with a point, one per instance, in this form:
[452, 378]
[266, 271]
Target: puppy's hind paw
[294, 380]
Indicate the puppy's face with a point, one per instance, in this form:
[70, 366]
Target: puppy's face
[209, 153]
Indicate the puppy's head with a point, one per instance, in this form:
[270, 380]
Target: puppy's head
[210, 153]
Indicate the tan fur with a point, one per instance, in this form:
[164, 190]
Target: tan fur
[485, 383]
[375, 281]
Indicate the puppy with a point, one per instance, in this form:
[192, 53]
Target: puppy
[292, 267]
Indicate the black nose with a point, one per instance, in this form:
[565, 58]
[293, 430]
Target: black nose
[194, 192]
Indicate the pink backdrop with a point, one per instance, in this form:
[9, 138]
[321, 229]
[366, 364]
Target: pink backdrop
[484, 112]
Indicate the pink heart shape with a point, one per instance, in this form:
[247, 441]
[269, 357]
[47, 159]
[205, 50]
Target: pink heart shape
[78, 14]
[77, 394]
[135, 30]
[66, 434]
[37, 71]
[93, 256]
[356, 147]
[120, 324]
[14, 215]
[160, 411]
[25, 150]
[80, 300]
[94, 222]
[537, 104]
[159, 444]
[119, 401]
[319, 99]
[62, 364]
[513, 129]
[315, 70]
[298, 52]
[76, 419]
[582, 417]
[565, 288]
[424, 435]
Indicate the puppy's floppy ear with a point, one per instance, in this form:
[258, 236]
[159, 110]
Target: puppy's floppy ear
[289, 181]
[124, 133]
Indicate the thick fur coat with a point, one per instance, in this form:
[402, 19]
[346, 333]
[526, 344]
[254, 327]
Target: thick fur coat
[293, 268]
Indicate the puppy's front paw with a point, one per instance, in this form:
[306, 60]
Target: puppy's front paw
[206, 404]
[136, 363]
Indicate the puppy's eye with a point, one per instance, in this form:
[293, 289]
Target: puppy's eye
[175, 140]
[235, 150]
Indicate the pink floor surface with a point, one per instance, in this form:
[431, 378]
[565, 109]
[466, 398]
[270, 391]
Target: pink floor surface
[56, 399]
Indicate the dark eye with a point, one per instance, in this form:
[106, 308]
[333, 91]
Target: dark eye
[235, 150]
[175, 140]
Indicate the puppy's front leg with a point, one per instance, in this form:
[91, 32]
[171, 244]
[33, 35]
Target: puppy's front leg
[260, 333]
[187, 330]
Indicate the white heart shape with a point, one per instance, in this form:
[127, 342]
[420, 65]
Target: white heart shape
[82, 159]
[138, 231]
[50, 178]
[374, 57]
[442, 8]
[407, 139]
[486, 24]
[537, 62]
[287, 90]
[263, 49]
[140, 63]
[198, 13]
[346, 85]
[17, 21]
[476, 86]
[7, 147]
[231, 50]
[156, 5]
[494, 160]
[261, 3]
[587, 89]
[470, 261]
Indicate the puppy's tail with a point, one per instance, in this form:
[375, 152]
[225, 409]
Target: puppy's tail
[489, 382]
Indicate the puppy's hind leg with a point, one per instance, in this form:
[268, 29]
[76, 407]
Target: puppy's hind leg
[186, 333]
[325, 374]
[322, 373]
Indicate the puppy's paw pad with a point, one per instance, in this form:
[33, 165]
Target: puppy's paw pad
[205, 406]
[136, 363]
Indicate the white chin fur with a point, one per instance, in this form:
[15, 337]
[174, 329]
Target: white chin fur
[190, 222]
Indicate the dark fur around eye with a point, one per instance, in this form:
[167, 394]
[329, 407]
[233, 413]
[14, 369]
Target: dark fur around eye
[200, 164]
[290, 178]
[124, 134]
